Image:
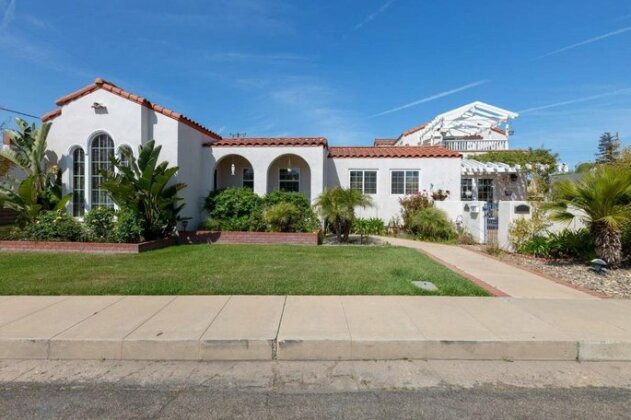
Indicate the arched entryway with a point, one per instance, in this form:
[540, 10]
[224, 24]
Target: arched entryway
[289, 172]
[233, 171]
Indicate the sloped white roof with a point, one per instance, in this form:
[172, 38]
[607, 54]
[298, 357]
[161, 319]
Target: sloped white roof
[474, 167]
[469, 120]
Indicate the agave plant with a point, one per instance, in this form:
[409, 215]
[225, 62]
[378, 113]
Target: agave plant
[41, 190]
[143, 186]
[337, 206]
[603, 200]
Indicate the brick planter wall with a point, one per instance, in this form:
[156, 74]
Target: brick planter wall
[86, 247]
[208, 237]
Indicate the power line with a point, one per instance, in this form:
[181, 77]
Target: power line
[13, 111]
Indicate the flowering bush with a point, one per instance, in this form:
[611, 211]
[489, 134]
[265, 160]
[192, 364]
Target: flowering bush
[412, 204]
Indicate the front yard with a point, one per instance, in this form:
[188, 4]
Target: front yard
[232, 269]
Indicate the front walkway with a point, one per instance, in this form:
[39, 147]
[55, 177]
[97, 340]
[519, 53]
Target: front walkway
[312, 328]
[506, 278]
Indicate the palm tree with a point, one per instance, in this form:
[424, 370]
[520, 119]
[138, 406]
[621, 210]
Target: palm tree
[603, 196]
[143, 186]
[338, 205]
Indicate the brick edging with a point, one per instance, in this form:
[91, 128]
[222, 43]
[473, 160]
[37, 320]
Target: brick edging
[543, 274]
[234, 237]
[85, 247]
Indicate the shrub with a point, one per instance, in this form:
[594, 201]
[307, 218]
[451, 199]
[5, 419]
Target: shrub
[411, 205]
[128, 228]
[626, 240]
[536, 246]
[55, 225]
[283, 217]
[523, 230]
[308, 221]
[238, 209]
[571, 244]
[394, 226]
[465, 238]
[369, 226]
[432, 224]
[99, 223]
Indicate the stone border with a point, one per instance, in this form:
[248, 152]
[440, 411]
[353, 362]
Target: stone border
[229, 237]
[86, 247]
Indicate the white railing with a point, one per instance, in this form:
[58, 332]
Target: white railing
[475, 145]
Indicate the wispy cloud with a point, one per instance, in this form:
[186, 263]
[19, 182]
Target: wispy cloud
[586, 42]
[373, 15]
[624, 91]
[8, 13]
[226, 57]
[431, 98]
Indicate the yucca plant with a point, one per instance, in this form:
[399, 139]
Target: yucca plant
[143, 187]
[603, 201]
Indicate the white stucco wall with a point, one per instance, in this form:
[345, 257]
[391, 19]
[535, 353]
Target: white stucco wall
[441, 173]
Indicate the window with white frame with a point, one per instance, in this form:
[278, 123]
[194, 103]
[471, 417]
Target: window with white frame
[466, 189]
[485, 189]
[101, 151]
[405, 182]
[78, 182]
[364, 181]
[289, 179]
[248, 178]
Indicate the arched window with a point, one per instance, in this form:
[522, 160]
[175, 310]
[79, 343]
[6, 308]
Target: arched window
[101, 150]
[78, 182]
[123, 152]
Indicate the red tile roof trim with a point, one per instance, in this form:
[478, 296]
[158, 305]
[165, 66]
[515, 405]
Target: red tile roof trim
[110, 87]
[393, 152]
[498, 130]
[271, 141]
[414, 130]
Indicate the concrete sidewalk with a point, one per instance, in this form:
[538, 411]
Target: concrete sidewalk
[313, 328]
[510, 280]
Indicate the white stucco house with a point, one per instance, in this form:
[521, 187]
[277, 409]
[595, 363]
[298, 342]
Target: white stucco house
[97, 121]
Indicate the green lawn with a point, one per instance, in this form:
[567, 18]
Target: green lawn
[231, 269]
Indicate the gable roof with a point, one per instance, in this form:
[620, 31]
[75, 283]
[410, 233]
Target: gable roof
[110, 87]
[271, 141]
[393, 152]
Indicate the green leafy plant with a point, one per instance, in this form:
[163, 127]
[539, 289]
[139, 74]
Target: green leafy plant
[537, 246]
[144, 186]
[55, 225]
[308, 221]
[603, 201]
[412, 205]
[128, 227]
[41, 188]
[337, 206]
[522, 230]
[432, 224]
[571, 244]
[369, 226]
[283, 217]
[237, 209]
[99, 223]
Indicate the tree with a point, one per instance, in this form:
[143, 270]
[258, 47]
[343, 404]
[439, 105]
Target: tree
[538, 164]
[142, 187]
[337, 206]
[41, 190]
[603, 200]
[608, 148]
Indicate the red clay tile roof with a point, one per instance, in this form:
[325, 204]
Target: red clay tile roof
[271, 141]
[413, 130]
[110, 87]
[384, 142]
[392, 152]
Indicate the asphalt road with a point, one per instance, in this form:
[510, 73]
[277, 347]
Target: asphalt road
[21, 401]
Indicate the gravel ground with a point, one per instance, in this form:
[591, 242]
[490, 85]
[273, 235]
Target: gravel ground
[616, 283]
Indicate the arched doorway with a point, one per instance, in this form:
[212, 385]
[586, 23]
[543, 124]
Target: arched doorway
[289, 172]
[233, 171]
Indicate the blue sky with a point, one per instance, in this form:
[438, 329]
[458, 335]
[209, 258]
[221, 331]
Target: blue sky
[335, 68]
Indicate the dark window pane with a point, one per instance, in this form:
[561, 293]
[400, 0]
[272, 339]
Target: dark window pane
[398, 182]
[370, 182]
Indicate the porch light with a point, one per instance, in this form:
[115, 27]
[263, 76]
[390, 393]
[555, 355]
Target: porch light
[232, 169]
[288, 163]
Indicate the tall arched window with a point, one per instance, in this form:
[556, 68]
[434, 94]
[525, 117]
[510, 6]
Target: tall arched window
[78, 182]
[101, 150]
